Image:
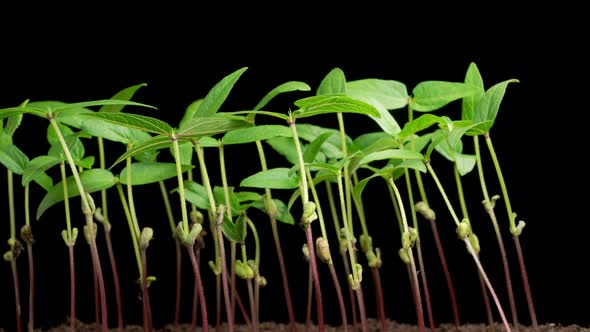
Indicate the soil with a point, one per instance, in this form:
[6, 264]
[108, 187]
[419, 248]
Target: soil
[373, 326]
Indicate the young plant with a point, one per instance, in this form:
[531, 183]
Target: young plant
[482, 110]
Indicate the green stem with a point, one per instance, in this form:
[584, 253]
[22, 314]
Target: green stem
[131, 201]
[316, 198]
[11, 211]
[416, 287]
[175, 146]
[273, 222]
[89, 220]
[134, 238]
[62, 168]
[515, 230]
[308, 235]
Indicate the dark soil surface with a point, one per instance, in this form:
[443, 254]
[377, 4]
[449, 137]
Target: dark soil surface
[373, 325]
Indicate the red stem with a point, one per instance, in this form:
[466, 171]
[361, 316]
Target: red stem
[507, 278]
[340, 297]
[309, 297]
[252, 305]
[96, 301]
[200, 288]
[379, 298]
[487, 281]
[350, 292]
[425, 286]
[19, 324]
[31, 286]
[286, 290]
[96, 264]
[486, 301]
[525, 281]
[417, 296]
[230, 318]
[445, 267]
[178, 283]
[316, 279]
[362, 311]
[115, 272]
[72, 290]
[147, 311]
[243, 309]
[195, 308]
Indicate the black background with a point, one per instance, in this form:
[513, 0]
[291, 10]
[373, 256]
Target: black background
[78, 54]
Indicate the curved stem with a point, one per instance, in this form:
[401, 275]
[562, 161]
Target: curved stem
[134, 238]
[89, 220]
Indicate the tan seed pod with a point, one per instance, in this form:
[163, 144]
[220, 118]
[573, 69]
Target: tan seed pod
[323, 250]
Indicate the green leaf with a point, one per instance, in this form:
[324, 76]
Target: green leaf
[208, 142]
[257, 133]
[37, 167]
[12, 111]
[390, 154]
[332, 148]
[113, 132]
[423, 122]
[385, 120]
[284, 146]
[13, 159]
[41, 108]
[125, 94]
[219, 195]
[465, 163]
[150, 172]
[73, 143]
[196, 194]
[250, 114]
[85, 162]
[313, 148]
[155, 143]
[358, 188]
[391, 94]
[316, 105]
[211, 125]
[274, 178]
[285, 87]
[488, 107]
[333, 83]
[217, 95]
[92, 180]
[190, 111]
[371, 142]
[469, 104]
[44, 181]
[235, 232]
[432, 95]
[248, 196]
[283, 214]
[12, 123]
[141, 122]
[186, 152]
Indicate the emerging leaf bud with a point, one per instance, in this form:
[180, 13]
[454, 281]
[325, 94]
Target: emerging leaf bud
[425, 211]
[305, 251]
[88, 232]
[518, 230]
[374, 260]
[243, 270]
[216, 268]
[91, 205]
[147, 233]
[366, 243]
[309, 213]
[323, 250]
[403, 254]
[261, 281]
[464, 229]
[196, 217]
[474, 240]
[8, 256]
[26, 233]
[98, 215]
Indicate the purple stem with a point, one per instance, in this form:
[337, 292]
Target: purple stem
[147, 311]
[340, 297]
[72, 290]
[178, 283]
[115, 272]
[19, 324]
[379, 298]
[31, 286]
[527, 288]
[316, 280]
[197, 273]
